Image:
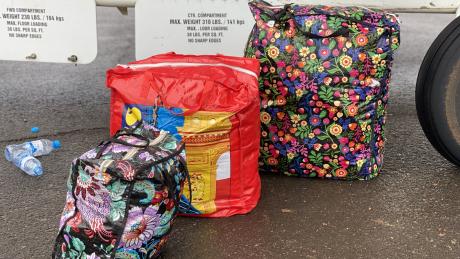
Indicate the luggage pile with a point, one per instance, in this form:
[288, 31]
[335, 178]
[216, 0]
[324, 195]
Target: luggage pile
[191, 133]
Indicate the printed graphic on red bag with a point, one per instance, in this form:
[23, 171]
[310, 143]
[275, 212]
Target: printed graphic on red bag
[211, 103]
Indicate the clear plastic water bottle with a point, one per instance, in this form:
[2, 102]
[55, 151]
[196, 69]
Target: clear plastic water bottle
[23, 155]
[42, 147]
[23, 160]
[35, 148]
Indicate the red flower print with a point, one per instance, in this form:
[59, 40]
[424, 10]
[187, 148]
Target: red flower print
[127, 169]
[280, 100]
[272, 161]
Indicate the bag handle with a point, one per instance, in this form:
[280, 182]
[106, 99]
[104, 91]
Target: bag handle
[124, 132]
[342, 32]
[289, 13]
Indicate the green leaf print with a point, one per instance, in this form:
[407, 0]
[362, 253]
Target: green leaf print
[322, 137]
[334, 22]
[78, 244]
[332, 44]
[264, 17]
[313, 65]
[264, 153]
[357, 15]
[250, 52]
[316, 158]
[171, 145]
[117, 210]
[262, 35]
[116, 190]
[326, 94]
[334, 71]
[323, 114]
[345, 102]
[74, 254]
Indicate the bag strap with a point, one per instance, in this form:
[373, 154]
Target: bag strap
[124, 132]
[288, 12]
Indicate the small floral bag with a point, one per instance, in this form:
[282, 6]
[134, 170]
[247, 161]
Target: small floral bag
[123, 196]
[324, 88]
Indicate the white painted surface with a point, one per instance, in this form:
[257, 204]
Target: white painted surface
[53, 30]
[387, 4]
[448, 6]
[116, 3]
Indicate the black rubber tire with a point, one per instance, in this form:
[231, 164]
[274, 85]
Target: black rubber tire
[438, 93]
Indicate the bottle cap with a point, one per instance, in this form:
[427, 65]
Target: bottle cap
[8, 154]
[38, 171]
[57, 144]
[35, 129]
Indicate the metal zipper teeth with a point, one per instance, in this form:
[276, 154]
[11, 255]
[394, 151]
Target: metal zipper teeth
[183, 64]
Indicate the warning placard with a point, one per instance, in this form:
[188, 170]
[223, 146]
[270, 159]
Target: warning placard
[48, 30]
[192, 27]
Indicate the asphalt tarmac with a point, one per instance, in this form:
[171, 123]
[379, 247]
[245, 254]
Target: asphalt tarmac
[411, 211]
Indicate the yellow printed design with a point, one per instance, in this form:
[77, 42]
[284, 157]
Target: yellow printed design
[133, 115]
[207, 141]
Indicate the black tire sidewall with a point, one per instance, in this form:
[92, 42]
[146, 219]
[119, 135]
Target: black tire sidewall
[431, 91]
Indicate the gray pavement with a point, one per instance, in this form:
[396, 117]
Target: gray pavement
[411, 211]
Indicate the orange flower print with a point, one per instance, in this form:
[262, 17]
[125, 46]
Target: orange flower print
[341, 173]
[361, 40]
[335, 129]
[280, 115]
[297, 72]
[352, 110]
[321, 172]
[280, 100]
[327, 81]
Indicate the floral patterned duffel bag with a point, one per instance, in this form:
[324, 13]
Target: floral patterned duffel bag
[324, 88]
[123, 196]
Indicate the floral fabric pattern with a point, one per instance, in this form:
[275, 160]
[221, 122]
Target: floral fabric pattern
[324, 88]
[140, 227]
[123, 203]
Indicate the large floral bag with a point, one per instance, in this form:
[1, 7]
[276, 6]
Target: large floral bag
[324, 88]
[211, 103]
[123, 196]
